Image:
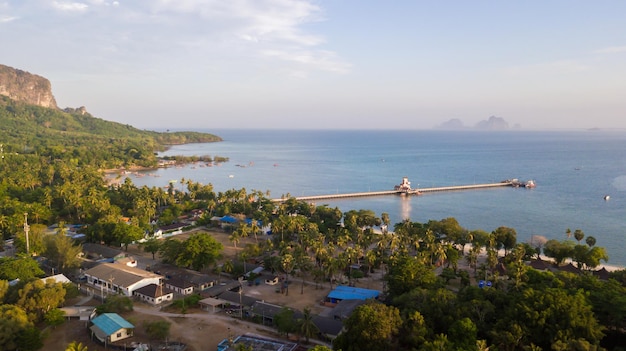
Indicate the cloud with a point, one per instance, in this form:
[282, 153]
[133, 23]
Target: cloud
[271, 28]
[7, 19]
[71, 7]
[611, 50]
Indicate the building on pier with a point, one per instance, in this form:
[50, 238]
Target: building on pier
[405, 186]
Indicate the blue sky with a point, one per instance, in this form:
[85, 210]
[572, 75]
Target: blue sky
[326, 64]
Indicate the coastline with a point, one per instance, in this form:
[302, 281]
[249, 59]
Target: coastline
[610, 268]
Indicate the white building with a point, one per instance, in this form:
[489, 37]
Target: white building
[119, 278]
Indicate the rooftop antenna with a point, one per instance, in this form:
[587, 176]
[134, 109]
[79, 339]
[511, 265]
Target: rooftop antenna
[26, 230]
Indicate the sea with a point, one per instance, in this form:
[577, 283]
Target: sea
[580, 175]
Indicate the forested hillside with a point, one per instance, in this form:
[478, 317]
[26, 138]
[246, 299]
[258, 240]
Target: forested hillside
[75, 134]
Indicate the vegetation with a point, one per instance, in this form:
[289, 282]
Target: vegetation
[50, 170]
[82, 139]
[157, 330]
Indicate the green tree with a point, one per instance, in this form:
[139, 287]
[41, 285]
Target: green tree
[29, 339]
[127, 233]
[590, 241]
[4, 288]
[579, 235]
[321, 348]
[170, 250]
[38, 298]
[414, 331]
[152, 246]
[76, 346]
[284, 321]
[558, 250]
[62, 251]
[287, 263]
[553, 314]
[13, 321]
[594, 256]
[407, 273]
[306, 326]
[199, 251]
[372, 326]
[505, 238]
[23, 268]
[463, 334]
[54, 317]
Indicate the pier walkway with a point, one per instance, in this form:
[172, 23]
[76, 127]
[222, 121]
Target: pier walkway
[402, 192]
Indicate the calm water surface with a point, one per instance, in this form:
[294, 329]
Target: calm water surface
[573, 172]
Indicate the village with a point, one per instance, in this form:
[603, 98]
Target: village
[231, 309]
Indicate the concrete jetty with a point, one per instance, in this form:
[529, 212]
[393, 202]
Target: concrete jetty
[405, 189]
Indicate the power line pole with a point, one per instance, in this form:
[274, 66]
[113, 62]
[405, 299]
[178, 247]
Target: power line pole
[26, 230]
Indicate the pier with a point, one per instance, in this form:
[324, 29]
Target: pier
[405, 189]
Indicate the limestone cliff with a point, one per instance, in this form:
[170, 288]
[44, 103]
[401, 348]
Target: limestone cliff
[23, 86]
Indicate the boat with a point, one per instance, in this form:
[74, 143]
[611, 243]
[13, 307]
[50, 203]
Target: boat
[607, 197]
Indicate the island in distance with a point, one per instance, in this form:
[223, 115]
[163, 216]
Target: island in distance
[493, 123]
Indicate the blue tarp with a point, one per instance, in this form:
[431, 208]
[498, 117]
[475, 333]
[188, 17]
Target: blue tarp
[343, 292]
[229, 219]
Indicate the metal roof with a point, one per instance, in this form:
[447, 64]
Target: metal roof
[343, 292]
[110, 323]
[119, 274]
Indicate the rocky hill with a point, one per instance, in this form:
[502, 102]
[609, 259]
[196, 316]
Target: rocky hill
[26, 87]
[32, 124]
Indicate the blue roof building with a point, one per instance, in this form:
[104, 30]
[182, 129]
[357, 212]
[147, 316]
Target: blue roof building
[343, 292]
[111, 327]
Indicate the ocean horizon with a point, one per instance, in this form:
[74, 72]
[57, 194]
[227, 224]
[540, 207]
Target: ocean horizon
[574, 171]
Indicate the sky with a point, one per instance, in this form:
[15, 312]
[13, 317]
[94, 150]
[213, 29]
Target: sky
[326, 64]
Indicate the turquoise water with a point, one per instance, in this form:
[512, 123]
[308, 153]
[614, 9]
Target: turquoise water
[573, 172]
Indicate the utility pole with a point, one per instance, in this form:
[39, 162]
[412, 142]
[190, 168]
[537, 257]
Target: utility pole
[26, 230]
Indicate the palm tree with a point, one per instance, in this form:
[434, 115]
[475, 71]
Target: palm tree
[591, 241]
[306, 326]
[288, 264]
[579, 235]
[76, 346]
[228, 266]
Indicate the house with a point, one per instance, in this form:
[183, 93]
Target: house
[154, 294]
[210, 304]
[200, 281]
[344, 308]
[120, 279]
[217, 290]
[172, 229]
[267, 311]
[111, 327]
[329, 328]
[101, 252]
[179, 285]
[234, 298]
[83, 313]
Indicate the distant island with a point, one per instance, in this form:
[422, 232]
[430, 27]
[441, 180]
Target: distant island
[493, 123]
